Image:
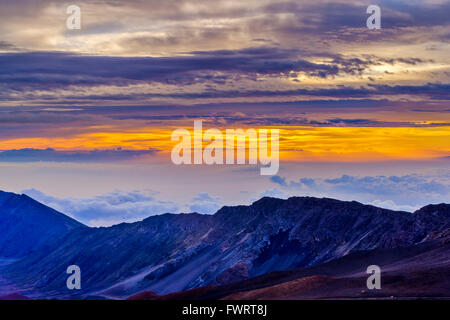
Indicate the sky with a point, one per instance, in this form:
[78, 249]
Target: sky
[87, 115]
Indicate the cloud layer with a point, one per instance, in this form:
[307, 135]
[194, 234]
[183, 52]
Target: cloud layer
[147, 52]
[123, 206]
[407, 192]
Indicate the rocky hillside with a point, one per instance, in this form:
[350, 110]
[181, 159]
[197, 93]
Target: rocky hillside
[170, 253]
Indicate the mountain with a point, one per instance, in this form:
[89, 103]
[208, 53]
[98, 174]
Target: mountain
[177, 252]
[418, 271]
[424, 274]
[26, 225]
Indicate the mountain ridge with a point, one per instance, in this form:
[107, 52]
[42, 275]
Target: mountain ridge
[175, 252]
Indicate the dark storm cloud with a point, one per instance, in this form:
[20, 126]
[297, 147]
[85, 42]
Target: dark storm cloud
[44, 70]
[24, 70]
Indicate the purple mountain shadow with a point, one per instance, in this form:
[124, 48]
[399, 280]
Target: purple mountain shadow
[237, 245]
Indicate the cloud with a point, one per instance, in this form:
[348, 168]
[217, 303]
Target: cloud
[435, 91]
[108, 209]
[389, 204]
[51, 155]
[273, 193]
[279, 180]
[405, 192]
[25, 72]
[54, 122]
[334, 22]
[384, 185]
[432, 90]
[123, 206]
[36, 70]
[204, 203]
[6, 46]
[43, 116]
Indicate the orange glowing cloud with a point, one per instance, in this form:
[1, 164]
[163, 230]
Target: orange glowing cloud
[296, 143]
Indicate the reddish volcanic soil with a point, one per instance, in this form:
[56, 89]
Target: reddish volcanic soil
[422, 284]
[287, 290]
[147, 295]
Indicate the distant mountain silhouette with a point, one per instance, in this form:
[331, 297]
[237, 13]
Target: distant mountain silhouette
[177, 252]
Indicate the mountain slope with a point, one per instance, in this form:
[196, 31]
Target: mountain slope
[170, 253]
[421, 270]
[26, 225]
